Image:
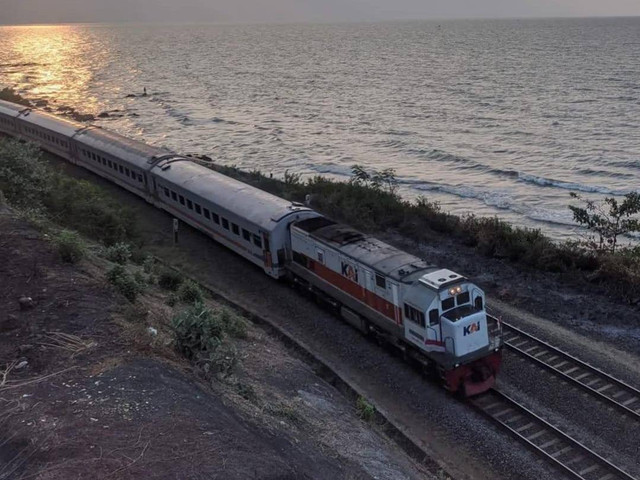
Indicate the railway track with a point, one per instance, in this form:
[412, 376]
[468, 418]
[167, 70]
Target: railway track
[610, 390]
[576, 460]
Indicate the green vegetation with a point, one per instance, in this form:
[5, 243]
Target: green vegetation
[70, 246]
[190, 292]
[33, 186]
[201, 335]
[118, 253]
[365, 410]
[608, 220]
[125, 283]
[170, 279]
[370, 202]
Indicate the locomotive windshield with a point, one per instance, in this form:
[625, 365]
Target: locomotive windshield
[460, 312]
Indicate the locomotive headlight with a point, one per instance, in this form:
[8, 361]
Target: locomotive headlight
[454, 290]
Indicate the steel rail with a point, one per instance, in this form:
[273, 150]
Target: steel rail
[569, 455]
[598, 383]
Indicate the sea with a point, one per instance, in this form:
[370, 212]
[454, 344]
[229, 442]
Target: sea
[487, 117]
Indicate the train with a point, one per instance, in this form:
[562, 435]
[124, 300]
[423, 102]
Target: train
[432, 315]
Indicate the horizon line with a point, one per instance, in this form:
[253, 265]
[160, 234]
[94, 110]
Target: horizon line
[314, 22]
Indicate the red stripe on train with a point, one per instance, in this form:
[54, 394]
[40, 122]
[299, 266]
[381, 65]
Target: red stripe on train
[357, 291]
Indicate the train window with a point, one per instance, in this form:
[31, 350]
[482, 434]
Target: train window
[121, 169]
[462, 298]
[207, 214]
[198, 209]
[110, 164]
[104, 161]
[257, 241]
[140, 179]
[93, 155]
[216, 218]
[189, 204]
[380, 281]
[225, 223]
[478, 303]
[181, 199]
[414, 315]
[127, 172]
[174, 196]
[235, 229]
[166, 192]
[320, 255]
[448, 303]
[434, 317]
[246, 235]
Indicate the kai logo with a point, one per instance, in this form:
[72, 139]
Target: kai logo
[471, 328]
[350, 272]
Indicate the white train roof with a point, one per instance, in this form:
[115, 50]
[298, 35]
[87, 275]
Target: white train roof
[11, 109]
[367, 250]
[132, 151]
[253, 204]
[51, 122]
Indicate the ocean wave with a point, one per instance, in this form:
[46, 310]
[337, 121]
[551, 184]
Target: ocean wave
[550, 182]
[502, 201]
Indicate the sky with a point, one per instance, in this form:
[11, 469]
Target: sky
[284, 11]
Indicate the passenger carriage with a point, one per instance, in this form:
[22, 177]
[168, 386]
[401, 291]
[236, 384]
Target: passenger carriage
[249, 221]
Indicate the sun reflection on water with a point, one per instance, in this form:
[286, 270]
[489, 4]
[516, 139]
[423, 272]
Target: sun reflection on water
[51, 62]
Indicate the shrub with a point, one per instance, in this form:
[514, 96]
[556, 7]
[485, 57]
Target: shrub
[169, 279]
[233, 323]
[124, 282]
[608, 219]
[198, 332]
[118, 253]
[85, 207]
[190, 292]
[365, 410]
[70, 246]
[25, 178]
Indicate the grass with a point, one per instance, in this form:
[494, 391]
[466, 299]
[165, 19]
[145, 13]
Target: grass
[70, 246]
[365, 410]
[32, 185]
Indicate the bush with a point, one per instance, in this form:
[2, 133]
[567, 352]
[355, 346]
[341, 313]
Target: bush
[365, 410]
[233, 323]
[70, 246]
[170, 279]
[124, 282]
[25, 178]
[198, 332]
[118, 253]
[190, 292]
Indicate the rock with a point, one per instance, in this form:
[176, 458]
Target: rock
[21, 365]
[83, 117]
[152, 331]
[26, 303]
[41, 103]
[104, 115]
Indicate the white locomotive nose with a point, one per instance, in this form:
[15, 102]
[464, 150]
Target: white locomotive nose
[468, 334]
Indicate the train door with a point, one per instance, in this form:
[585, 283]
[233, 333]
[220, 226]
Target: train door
[266, 252]
[395, 298]
[369, 286]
